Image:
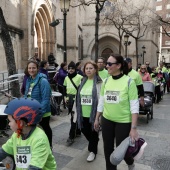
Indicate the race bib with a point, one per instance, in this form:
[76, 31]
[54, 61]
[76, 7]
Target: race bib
[23, 157]
[112, 96]
[86, 100]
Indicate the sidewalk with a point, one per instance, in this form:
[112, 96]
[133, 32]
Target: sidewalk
[156, 134]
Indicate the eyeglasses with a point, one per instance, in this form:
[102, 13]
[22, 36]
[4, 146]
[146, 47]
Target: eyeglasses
[110, 64]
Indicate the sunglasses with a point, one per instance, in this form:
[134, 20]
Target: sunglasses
[110, 64]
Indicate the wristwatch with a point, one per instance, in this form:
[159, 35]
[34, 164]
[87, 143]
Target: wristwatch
[133, 127]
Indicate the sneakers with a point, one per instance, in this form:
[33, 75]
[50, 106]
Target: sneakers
[137, 150]
[70, 141]
[131, 167]
[91, 157]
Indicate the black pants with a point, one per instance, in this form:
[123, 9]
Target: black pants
[74, 127]
[74, 131]
[60, 89]
[45, 124]
[91, 135]
[110, 131]
[157, 94]
[166, 86]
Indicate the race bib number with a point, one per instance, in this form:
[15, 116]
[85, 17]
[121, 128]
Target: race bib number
[23, 157]
[112, 97]
[86, 100]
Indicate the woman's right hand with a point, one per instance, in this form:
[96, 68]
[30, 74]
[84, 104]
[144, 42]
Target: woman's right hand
[96, 125]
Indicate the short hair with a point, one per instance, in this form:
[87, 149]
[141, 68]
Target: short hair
[63, 64]
[104, 61]
[32, 61]
[43, 63]
[94, 65]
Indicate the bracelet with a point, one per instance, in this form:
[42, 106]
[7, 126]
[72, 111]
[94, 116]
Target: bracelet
[133, 127]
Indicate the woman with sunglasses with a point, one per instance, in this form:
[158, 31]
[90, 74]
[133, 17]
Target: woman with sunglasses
[85, 107]
[144, 73]
[119, 107]
[71, 83]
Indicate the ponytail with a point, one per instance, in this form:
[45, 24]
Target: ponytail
[125, 68]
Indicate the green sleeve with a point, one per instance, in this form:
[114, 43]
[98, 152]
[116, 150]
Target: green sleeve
[133, 92]
[138, 80]
[8, 146]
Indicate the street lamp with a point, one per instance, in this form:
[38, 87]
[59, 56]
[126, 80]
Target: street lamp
[143, 49]
[64, 6]
[126, 43]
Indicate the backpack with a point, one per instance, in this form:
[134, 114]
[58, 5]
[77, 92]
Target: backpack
[53, 104]
[56, 77]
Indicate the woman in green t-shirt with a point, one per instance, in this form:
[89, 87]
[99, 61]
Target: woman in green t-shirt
[119, 107]
[86, 106]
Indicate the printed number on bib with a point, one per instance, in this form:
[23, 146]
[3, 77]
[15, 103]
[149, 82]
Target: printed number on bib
[86, 100]
[23, 157]
[112, 97]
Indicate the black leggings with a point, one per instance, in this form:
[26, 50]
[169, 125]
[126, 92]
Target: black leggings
[110, 131]
[91, 135]
[45, 124]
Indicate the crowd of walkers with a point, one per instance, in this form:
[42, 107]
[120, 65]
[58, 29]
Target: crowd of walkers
[99, 96]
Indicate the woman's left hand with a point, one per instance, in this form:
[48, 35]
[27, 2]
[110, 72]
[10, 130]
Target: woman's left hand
[134, 135]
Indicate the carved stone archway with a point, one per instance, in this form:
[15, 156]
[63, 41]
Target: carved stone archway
[44, 38]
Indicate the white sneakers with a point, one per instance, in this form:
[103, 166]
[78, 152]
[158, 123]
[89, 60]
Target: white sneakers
[131, 167]
[91, 157]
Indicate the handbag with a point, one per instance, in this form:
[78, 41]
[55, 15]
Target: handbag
[54, 106]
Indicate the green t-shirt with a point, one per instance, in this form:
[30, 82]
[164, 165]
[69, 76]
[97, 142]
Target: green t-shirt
[86, 98]
[69, 86]
[164, 69]
[136, 77]
[117, 96]
[103, 74]
[33, 151]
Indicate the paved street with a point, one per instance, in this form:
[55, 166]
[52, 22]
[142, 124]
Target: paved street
[156, 133]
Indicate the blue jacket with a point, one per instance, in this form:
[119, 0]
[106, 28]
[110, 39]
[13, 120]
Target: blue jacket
[41, 91]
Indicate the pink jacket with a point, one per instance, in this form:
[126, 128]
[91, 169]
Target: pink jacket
[145, 77]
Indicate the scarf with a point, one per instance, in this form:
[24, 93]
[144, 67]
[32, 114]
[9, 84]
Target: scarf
[96, 79]
[72, 75]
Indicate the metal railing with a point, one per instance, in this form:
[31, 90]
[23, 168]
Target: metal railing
[5, 86]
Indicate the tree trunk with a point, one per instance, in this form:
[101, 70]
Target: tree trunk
[136, 43]
[120, 44]
[97, 32]
[9, 52]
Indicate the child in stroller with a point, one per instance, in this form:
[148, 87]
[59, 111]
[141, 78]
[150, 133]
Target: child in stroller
[149, 90]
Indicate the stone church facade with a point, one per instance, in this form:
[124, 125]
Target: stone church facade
[28, 22]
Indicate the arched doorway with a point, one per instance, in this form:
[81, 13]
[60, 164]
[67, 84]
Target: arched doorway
[106, 53]
[44, 38]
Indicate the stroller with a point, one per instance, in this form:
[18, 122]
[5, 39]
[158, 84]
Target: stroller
[149, 91]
